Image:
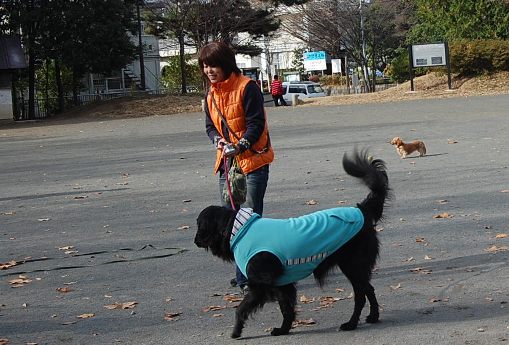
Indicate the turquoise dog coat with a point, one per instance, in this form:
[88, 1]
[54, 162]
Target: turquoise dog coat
[301, 243]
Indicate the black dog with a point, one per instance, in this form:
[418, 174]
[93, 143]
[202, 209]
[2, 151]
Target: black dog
[266, 270]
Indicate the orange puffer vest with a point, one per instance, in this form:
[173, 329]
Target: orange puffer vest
[229, 96]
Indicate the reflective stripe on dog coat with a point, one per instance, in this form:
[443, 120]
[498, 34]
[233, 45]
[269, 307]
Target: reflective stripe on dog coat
[301, 243]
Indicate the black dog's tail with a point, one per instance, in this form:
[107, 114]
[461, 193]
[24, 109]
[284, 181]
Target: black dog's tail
[372, 173]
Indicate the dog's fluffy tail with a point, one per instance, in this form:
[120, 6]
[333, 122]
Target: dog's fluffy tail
[373, 173]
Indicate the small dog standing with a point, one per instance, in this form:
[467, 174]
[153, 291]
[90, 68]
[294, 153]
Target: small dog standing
[276, 253]
[404, 149]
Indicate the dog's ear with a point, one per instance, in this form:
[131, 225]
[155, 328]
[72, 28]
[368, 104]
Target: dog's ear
[207, 227]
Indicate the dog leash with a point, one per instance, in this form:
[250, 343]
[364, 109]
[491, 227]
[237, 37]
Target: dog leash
[226, 172]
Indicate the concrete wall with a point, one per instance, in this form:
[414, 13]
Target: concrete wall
[5, 104]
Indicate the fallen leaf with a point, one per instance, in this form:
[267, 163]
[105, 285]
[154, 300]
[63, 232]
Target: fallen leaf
[171, 316]
[232, 298]
[443, 215]
[7, 265]
[434, 300]
[64, 289]
[311, 202]
[125, 305]
[65, 247]
[217, 315]
[20, 281]
[395, 287]
[409, 259]
[420, 240]
[420, 270]
[184, 227]
[426, 257]
[498, 236]
[85, 316]
[43, 219]
[8, 213]
[496, 249]
[213, 308]
[452, 141]
[306, 300]
[442, 201]
[80, 197]
[307, 323]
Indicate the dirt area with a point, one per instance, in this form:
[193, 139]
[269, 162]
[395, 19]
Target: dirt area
[433, 85]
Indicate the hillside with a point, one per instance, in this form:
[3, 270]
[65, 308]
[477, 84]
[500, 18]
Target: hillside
[432, 85]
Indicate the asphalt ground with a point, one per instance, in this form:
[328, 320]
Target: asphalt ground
[104, 211]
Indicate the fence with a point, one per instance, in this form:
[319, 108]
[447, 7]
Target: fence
[343, 90]
[46, 107]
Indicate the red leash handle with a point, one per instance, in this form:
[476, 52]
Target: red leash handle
[226, 171]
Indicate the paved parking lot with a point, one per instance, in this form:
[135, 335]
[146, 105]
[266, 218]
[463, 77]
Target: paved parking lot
[99, 218]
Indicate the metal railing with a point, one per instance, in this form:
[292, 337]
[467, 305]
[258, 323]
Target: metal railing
[46, 107]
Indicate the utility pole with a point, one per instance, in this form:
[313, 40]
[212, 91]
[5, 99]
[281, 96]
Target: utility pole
[140, 46]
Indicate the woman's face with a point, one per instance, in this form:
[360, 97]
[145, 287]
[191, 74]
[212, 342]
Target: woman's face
[215, 74]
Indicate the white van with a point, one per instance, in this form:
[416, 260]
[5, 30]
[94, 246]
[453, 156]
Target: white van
[305, 89]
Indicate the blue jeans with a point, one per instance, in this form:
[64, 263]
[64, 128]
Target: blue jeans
[256, 186]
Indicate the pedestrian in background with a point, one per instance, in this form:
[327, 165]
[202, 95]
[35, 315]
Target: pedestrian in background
[235, 117]
[276, 89]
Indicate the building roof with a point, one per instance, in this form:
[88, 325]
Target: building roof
[11, 53]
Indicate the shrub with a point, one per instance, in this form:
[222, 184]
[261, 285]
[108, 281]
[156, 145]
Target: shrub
[473, 57]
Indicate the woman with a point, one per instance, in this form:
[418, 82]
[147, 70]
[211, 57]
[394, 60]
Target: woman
[239, 100]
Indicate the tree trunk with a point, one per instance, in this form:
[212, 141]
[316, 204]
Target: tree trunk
[31, 67]
[182, 63]
[75, 83]
[373, 68]
[60, 88]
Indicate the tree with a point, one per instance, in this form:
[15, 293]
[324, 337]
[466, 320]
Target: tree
[330, 25]
[172, 20]
[86, 36]
[98, 39]
[438, 20]
[227, 20]
[195, 23]
[366, 33]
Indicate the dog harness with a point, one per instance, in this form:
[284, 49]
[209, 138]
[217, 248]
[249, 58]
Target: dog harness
[301, 243]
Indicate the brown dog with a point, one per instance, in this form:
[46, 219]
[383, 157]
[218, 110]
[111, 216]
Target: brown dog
[405, 149]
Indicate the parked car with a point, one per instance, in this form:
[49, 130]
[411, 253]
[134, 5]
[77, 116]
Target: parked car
[305, 89]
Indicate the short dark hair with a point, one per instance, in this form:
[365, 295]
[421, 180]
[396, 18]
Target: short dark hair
[276, 76]
[218, 54]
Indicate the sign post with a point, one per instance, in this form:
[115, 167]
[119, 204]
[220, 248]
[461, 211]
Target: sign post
[429, 55]
[315, 61]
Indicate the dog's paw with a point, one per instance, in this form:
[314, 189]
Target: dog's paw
[372, 318]
[348, 326]
[279, 331]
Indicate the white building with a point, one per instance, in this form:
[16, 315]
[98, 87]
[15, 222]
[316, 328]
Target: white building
[129, 78]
